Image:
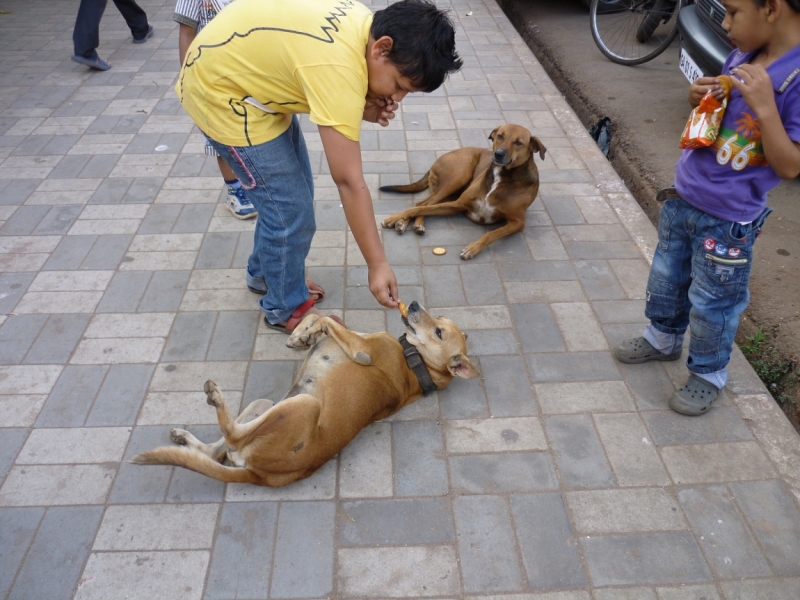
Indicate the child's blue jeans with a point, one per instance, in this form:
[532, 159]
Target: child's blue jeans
[699, 279]
[277, 177]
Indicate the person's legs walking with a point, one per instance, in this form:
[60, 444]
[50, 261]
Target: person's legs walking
[135, 17]
[86, 35]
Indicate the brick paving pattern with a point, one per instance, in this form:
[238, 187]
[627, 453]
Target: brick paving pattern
[561, 475]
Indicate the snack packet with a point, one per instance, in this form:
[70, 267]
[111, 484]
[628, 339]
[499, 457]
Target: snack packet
[702, 128]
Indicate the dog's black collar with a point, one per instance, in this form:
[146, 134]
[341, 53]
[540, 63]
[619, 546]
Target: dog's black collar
[416, 364]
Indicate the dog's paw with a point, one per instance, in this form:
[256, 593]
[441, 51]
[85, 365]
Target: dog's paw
[467, 254]
[388, 223]
[178, 436]
[213, 393]
[306, 333]
[401, 226]
[419, 229]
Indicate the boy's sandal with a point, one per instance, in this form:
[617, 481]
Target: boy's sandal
[93, 63]
[315, 291]
[695, 397]
[639, 350]
[297, 316]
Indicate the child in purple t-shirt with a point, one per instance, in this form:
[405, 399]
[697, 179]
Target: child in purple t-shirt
[706, 231]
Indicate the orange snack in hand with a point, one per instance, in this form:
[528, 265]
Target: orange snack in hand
[403, 309]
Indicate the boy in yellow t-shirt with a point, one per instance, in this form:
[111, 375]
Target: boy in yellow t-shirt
[255, 66]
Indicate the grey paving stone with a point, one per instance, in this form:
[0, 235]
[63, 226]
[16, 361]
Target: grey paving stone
[70, 253]
[634, 593]
[540, 270]
[160, 218]
[143, 190]
[537, 328]
[17, 191]
[242, 555]
[577, 451]
[72, 396]
[730, 550]
[402, 250]
[70, 167]
[630, 450]
[10, 444]
[419, 464]
[124, 292]
[268, 379]
[217, 250]
[99, 166]
[464, 399]
[775, 520]
[598, 280]
[508, 388]
[17, 528]
[17, 335]
[723, 425]
[491, 342]
[58, 220]
[689, 592]
[107, 252]
[136, 484]
[14, 285]
[501, 473]
[563, 210]
[547, 542]
[24, 220]
[165, 292]
[443, 286]
[58, 339]
[190, 336]
[620, 311]
[59, 550]
[600, 250]
[194, 219]
[482, 286]
[234, 335]
[303, 566]
[649, 383]
[111, 191]
[762, 589]
[187, 165]
[644, 559]
[573, 366]
[715, 463]
[121, 395]
[395, 522]
[485, 543]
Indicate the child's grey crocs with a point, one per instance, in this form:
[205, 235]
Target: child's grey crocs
[695, 397]
[639, 350]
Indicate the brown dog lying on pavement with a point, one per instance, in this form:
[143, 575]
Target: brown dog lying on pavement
[348, 380]
[493, 185]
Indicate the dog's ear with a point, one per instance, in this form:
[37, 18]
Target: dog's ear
[494, 133]
[536, 145]
[460, 366]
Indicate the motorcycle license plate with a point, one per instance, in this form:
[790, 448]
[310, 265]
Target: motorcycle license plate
[688, 67]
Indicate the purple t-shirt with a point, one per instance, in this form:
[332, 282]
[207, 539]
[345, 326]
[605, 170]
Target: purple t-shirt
[730, 179]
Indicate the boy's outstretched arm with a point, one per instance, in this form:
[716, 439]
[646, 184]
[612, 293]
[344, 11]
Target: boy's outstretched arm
[344, 160]
[783, 155]
[186, 36]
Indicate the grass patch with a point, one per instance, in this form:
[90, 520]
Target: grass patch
[779, 374]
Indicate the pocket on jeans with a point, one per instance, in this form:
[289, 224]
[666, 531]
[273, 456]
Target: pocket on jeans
[723, 271]
[668, 211]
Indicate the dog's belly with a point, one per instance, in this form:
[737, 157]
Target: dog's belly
[322, 358]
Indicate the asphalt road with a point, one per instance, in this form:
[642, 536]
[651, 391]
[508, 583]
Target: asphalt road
[648, 108]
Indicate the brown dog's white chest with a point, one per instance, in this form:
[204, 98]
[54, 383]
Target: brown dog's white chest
[482, 210]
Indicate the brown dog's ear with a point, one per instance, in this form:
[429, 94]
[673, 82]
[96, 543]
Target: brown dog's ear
[536, 145]
[494, 133]
[460, 366]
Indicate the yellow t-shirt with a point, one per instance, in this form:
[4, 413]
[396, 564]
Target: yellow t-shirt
[288, 56]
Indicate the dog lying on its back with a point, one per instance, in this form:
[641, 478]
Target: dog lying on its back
[348, 380]
[492, 185]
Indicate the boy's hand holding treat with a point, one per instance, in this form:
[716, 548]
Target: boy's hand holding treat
[703, 125]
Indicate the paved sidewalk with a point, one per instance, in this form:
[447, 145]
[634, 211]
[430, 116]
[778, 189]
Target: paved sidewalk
[561, 475]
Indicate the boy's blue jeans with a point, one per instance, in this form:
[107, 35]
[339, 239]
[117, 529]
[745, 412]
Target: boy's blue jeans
[699, 279]
[277, 177]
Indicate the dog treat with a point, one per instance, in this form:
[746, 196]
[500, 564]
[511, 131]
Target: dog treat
[403, 309]
[702, 128]
[439, 251]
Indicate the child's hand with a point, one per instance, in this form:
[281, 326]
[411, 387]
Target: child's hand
[383, 285]
[754, 84]
[703, 85]
[379, 110]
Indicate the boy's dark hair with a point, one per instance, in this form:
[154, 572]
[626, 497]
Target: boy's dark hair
[793, 4]
[424, 48]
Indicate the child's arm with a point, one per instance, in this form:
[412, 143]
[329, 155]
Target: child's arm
[783, 155]
[344, 160]
[186, 36]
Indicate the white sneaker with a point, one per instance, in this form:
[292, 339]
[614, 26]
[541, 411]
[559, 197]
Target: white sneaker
[239, 205]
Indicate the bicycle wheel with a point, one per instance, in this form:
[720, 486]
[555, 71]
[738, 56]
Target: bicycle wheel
[631, 32]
